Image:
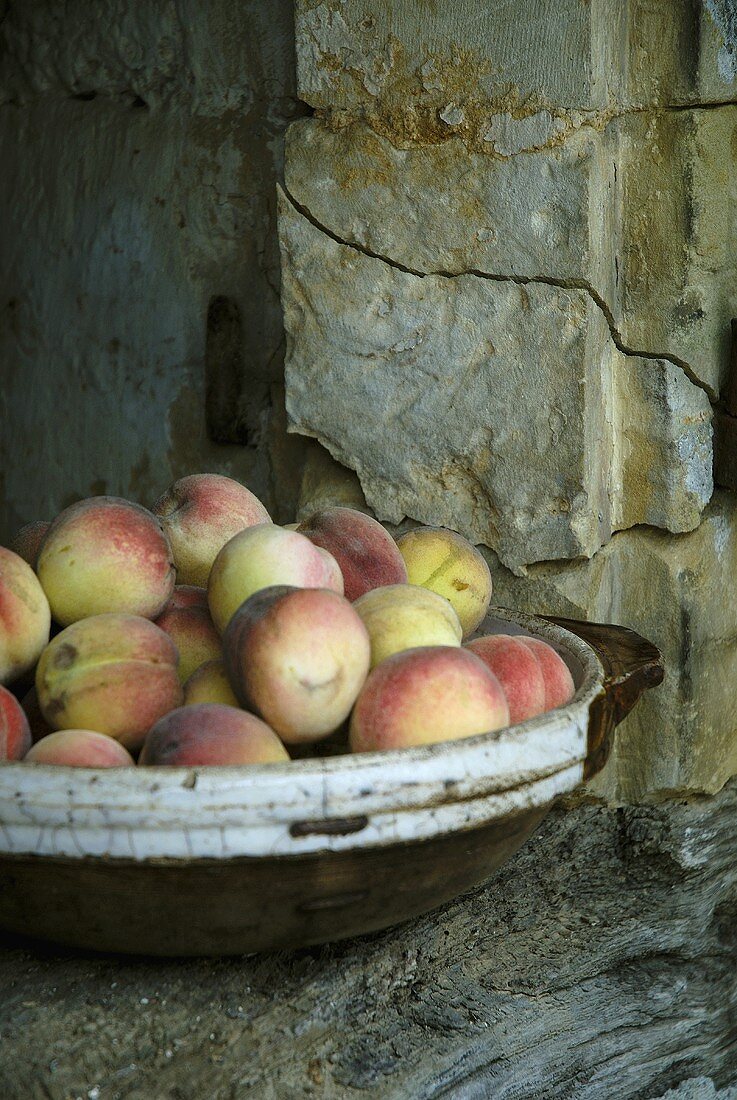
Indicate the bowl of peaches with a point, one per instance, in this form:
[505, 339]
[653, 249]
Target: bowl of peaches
[221, 735]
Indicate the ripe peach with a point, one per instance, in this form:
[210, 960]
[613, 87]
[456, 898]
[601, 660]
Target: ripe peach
[192, 630]
[187, 595]
[424, 695]
[298, 657]
[405, 616]
[209, 684]
[211, 733]
[516, 669]
[105, 555]
[262, 556]
[559, 687]
[25, 617]
[448, 564]
[15, 733]
[200, 513]
[32, 709]
[113, 673]
[80, 749]
[366, 553]
[27, 541]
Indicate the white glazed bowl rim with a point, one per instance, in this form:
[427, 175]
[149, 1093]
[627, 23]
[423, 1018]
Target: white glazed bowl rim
[328, 804]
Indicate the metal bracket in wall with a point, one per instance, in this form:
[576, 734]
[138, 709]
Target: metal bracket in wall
[725, 425]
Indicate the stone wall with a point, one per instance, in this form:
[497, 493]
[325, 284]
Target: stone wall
[508, 250]
[140, 145]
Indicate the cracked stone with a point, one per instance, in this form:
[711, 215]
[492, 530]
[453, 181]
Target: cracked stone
[639, 213]
[682, 736]
[486, 406]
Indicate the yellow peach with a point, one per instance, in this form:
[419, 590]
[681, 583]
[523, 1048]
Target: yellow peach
[405, 616]
[450, 565]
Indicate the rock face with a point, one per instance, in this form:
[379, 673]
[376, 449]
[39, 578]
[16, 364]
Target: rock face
[635, 208]
[677, 592]
[599, 963]
[553, 52]
[502, 410]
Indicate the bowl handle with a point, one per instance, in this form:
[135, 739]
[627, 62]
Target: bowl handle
[632, 665]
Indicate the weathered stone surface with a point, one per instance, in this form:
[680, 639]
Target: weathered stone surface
[600, 964]
[209, 57]
[486, 406]
[677, 252]
[678, 592]
[638, 211]
[327, 484]
[441, 208]
[121, 224]
[416, 58]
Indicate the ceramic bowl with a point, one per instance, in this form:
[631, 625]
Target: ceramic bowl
[223, 860]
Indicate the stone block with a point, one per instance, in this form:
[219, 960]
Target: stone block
[444, 208]
[503, 411]
[678, 593]
[414, 59]
[638, 211]
[677, 253]
[327, 484]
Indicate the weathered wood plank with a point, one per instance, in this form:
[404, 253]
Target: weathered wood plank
[600, 962]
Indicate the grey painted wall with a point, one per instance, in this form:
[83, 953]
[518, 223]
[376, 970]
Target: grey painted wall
[140, 146]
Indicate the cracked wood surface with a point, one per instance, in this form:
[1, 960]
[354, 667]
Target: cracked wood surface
[599, 963]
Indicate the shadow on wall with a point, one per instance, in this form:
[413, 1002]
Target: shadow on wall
[144, 336]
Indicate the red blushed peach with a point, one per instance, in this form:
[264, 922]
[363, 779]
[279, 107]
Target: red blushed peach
[517, 670]
[425, 695]
[187, 595]
[367, 554]
[559, 687]
[298, 657]
[25, 617]
[113, 673]
[193, 632]
[27, 542]
[105, 555]
[210, 733]
[202, 512]
[263, 556]
[209, 684]
[15, 733]
[80, 749]
[32, 709]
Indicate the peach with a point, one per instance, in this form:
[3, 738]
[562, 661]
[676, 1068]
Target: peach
[105, 555]
[25, 618]
[298, 657]
[15, 733]
[210, 733]
[116, 674]
[80, 749]
[187, 595]
[448, 564]
[27, 541]
[209, 684]
[516, 669]
[202, 512]
[32, 709]
[192, 630]
[405, 616]
[366, 553]
[425, 695]
[559, 687]
[260, 557]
